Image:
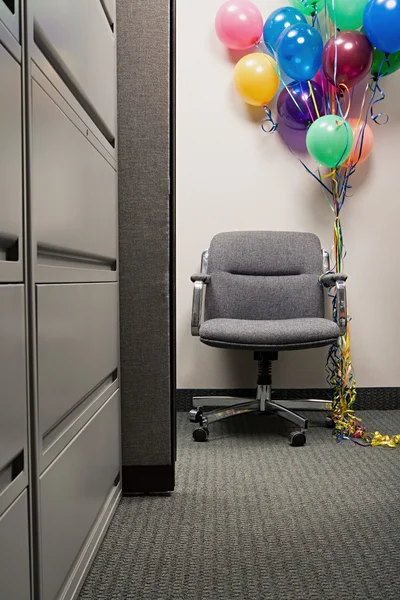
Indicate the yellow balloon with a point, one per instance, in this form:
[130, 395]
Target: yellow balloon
[256, 78]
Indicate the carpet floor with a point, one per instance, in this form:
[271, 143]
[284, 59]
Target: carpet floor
[253, 518]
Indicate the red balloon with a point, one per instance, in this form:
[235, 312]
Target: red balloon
[352, 53]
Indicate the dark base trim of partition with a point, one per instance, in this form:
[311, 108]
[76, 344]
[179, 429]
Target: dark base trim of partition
[147, 479]
[380, 398]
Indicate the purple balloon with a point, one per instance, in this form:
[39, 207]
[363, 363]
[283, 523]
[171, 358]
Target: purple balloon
[296, 105]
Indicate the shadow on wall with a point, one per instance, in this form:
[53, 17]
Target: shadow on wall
[254, 114]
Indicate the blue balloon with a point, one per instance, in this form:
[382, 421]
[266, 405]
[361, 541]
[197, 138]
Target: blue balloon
[382, 24]
[278, 21]
[299, 51]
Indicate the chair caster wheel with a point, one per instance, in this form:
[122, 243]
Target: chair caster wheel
[297, 438]
[329, 422]
[201, 434]
[195, 415]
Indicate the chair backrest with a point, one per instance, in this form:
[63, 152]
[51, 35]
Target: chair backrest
[267, 275]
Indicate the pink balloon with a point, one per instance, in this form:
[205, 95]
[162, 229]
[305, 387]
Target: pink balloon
[367, 143]
[239, 24]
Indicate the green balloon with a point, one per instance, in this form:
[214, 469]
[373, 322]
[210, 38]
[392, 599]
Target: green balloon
[385, 65]
[347, 14]
[308, 7]
[330, 140]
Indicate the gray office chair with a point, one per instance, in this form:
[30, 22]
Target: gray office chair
[263, 291]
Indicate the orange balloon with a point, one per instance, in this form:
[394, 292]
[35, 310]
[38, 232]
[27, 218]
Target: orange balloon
[367, 143]
[256, 78]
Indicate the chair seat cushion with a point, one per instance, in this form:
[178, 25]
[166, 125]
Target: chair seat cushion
[288, 334]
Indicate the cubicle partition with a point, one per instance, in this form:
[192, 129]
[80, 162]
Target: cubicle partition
[59, 322]
[146, 209]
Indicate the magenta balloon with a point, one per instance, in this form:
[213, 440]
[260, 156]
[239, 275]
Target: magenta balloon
[351, 53]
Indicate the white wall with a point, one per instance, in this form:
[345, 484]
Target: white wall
[232, 176]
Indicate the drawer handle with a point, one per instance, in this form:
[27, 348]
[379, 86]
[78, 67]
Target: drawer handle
[11, 471]
[9, 248]
[10, 5]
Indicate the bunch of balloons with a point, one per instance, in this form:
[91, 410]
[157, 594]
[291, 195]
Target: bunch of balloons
[326, 48]
[362, 37]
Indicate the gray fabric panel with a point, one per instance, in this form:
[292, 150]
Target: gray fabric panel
[330, 279]
[271, 334]
[265, 253]
[143, 161]
[256, 297]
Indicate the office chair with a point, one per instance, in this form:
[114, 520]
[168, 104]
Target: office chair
[263, 291]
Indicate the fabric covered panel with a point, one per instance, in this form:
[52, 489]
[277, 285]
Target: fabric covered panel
[256, 297]
[144, 231]
[274, 334]
[265, 253]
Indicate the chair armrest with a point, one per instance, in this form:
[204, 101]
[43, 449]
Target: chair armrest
[329, 280]
[338, 280]
[200, 281]
[200, 277]
[197, 303]
[341, 306]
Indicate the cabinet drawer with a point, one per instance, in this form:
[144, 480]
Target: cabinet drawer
[74, 194]
[14, 544]
[10, 169]
[77, 38]
[73, 490]
[77, 345]
[13, 427]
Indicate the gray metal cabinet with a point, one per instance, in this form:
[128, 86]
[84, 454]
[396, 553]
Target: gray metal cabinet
[74, 489]
[14, 544]
[59, 330]
[77, 345]
[77, 38]
[74, 197]
[10, 169]
[13, 423]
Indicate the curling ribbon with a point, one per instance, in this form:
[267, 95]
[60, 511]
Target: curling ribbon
[385, 440]
[313, 99]
[273, 125]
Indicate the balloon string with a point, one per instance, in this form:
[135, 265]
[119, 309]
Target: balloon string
[333, 87]
[273, 124]
[349, 171]
[346, 91]
[318, 179]
[374, 116]
[360, 118]
[278, 72]
[374, 101]
[306, 103]
[313, 99]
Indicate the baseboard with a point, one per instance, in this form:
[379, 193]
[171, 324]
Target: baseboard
[147, 479]
[84, 561]
[380, 398]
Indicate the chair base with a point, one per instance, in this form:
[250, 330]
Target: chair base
[230, 406]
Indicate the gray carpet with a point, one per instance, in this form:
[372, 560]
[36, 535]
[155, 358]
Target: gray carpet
[255, 519]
